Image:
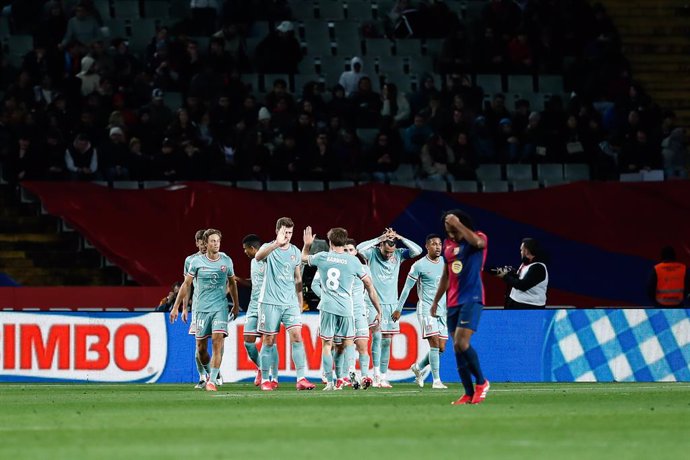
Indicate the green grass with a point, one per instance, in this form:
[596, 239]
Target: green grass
[555, 421]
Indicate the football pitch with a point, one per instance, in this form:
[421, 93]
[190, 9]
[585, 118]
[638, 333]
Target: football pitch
[561, 421]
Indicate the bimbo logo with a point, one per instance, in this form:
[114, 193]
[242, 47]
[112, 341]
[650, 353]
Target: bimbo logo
[113, 348]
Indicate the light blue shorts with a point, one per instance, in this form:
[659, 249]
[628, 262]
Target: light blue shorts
[336, 327]
[251, 320]
[270, 317]
[388, 326]
[212, 322]
[433, 326]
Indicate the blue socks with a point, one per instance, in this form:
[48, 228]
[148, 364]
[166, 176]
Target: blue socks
[385, 354]
[473, 364]
[433, 358]
[376, 348]
[464, 373]
[299, 358]
[252, 352]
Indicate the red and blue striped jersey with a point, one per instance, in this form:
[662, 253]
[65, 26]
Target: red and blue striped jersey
[465, 264]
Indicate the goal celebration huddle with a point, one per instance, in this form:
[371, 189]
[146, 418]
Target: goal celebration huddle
[359, 304]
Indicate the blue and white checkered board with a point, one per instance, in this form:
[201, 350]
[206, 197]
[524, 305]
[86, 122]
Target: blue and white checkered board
[617, 345]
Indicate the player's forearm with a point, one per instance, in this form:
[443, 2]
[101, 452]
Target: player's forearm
[265, 251]
[305, 253]
[182, 295]
[414, 248]
[471, 237]
[409, 283]
[365, 245]
[234, 295]
[316, 287]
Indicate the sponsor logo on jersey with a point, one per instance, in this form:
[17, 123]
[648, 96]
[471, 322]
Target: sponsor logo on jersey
[223, 268]
[456, 266]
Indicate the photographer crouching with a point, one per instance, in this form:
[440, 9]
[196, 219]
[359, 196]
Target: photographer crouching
[528, 285]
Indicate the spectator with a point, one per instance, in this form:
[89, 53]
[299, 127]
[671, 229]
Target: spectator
[482, 141]
[349, 79]
[203, 16]
[53, 163]
[168, 301]
[280, 51]
[140, 163]
[384, 159]
[322, 163]
[82, 28]
[520, 53]
[675, 155]
[167, 164]
[507, 143]
[367, 105]
[284, 164]
[455, 54]
[90, 80]
[669, 282]
[465, 165]
[435, 160]
[81, 159]
[182, 128]
[639, 154]
[420, 98]
[415, 136]
[115, 156]
[347, 149]
[24, 160]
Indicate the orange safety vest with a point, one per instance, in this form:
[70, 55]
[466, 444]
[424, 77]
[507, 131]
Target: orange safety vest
[670, 283]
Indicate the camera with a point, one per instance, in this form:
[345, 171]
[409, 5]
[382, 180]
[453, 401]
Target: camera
[501, 269]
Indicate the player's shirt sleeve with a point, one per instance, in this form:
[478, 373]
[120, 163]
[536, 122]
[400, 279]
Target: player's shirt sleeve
[360, 272]
[316, 284]
[231, 267]
[410, 281]
[192, 268]
[411, 251]
[315, 259]
[366, 248]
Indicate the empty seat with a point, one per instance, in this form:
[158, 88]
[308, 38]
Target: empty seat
[310, 186]
[552, 84]
[519, 185]
[173, 99]
[423, 64]
[630, 177]
[367, 136]
[126, 184]
[653, 175]
[224, 183]
[338, 184]
[390, 65]
[519, 172]
[492, 186]
[553, 182]
[489, 172]
[434, 185]
[404, 183]
[433, 46]
[573, 172]
[463, 186]
[359, 10]
[490, 83]
[155, 183]
[405, 171]
[126, 9]
[378, 47]
[550, 172]
[347, 38]
[279, 186]
[101, 183]
[302, 9]
[520, 83]
[103, 8]
[331, 10]
[250, 184]
[317, 37]
[156, 8]
[410, 47]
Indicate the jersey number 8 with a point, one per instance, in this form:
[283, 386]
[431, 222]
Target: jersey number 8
[333, 279]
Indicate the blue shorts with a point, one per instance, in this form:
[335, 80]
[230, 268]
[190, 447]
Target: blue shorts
[465, 316]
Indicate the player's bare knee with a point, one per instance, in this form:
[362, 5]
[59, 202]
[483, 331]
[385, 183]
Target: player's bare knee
[269, 340]
[296, 335]
[250, 339]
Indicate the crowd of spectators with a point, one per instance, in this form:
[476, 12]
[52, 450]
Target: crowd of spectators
[83, 105]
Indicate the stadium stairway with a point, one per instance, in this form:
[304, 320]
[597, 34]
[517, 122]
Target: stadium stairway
[655, 36]
[34, 252]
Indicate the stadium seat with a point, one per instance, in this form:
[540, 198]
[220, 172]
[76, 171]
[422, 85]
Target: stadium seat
[519, 185]
[4, 28]
[378, 47]
[519, 172]
[103, 8]
[251, 80]
[155, 183]
[173, 100]
[102, 183]
[359, 10]
[654, 175]
[574, 172]
[550, 172]
[409, 47]
[367, 136]
[552, 84]
[338, 184]
[553, 182]
[156, 9]
[126, 9]
[520, 83]
[19, 45]
[142, 34]
[434, 185]
[302, 9]
[390, 65]
[279, 186]
[490, 83]
[405, 171]
[250, 184]
[424, 64]
[259, 29]
[347, 38]
[433, 46]
[493, 186]
[463, 186]
[330, 10]
[317, 37]
[224, 183]
[404, 183]
[310, 186]
[630, 177]
[489, 172]
[126, 185]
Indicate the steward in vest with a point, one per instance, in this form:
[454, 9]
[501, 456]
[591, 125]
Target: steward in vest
[529, 284]
[669, 282]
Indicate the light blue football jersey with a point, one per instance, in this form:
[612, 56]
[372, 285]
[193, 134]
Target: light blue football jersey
[360, 297]
[426, 275]
[211, 282]
[278, 285]
[187, 262]
[385, 272]
[337, 272]
[257, 270]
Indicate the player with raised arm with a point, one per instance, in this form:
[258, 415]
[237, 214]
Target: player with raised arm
[338, 271]
[426, 274]
[213, 273]
[280, 301]
[384, 261]
[464, 251]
